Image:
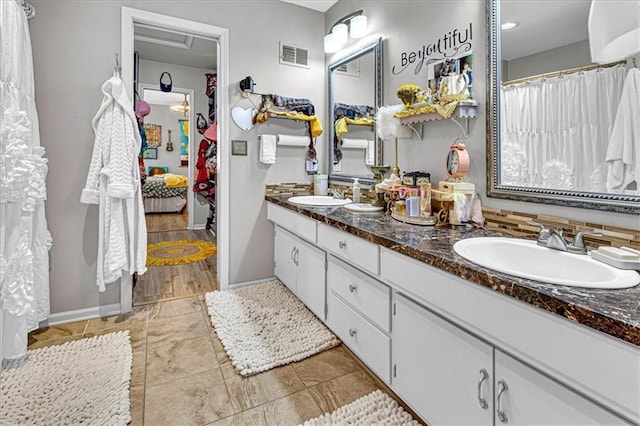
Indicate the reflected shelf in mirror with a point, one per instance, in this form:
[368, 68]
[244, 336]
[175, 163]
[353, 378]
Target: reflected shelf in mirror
[524, 163]
[355, 93]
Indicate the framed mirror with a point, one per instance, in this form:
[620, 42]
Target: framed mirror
[548, 124]
[355, 94]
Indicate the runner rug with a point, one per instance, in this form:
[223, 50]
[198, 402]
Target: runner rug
[377, 408]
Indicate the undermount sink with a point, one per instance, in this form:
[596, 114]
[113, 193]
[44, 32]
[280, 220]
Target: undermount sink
[526, 259]
[319, 200]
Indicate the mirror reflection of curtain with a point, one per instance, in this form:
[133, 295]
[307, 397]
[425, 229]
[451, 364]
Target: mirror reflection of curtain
[555, 131]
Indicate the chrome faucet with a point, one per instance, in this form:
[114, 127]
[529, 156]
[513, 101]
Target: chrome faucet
[338, 195]
[555, 240]
[578, 246]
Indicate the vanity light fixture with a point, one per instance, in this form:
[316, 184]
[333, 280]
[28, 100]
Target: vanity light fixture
[181, 107]
[614, 30]
[509, 25]
[353, 25]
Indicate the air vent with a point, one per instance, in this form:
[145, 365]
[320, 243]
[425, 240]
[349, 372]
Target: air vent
[294, 55]
[351, 68]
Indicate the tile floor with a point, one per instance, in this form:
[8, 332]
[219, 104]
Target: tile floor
[181, 374]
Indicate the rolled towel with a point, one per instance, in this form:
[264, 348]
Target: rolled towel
[291, 140]
[354, 143]
[267, 149]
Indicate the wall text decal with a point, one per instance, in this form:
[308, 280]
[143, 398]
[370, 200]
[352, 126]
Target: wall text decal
[448, 46]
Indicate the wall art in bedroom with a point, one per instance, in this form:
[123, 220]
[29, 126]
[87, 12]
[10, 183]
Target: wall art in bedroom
[154, 135]
[184, 142]
[150, 154]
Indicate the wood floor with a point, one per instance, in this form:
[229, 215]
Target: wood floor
[157, 222]
[172, 282]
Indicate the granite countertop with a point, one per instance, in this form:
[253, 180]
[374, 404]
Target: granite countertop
[614, 312]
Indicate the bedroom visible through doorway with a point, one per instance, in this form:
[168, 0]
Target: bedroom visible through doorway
[179, 160]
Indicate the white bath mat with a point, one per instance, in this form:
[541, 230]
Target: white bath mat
[377, 408]
[81, 382]
[264, 326]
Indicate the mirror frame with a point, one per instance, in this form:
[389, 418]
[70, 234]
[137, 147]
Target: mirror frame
[375, 47]
[619, 203]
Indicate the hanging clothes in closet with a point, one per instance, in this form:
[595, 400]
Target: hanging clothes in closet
[24, 238]
[113, 182]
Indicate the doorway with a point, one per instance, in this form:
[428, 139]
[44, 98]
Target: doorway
[193, 274]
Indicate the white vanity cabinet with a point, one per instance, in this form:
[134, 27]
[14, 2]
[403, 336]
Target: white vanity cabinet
[524, 396]
[450, 377]
[358, 311]
[301, 267]
[437, 368]
[455, 351]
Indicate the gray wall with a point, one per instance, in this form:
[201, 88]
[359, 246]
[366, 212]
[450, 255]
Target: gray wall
[561, 58]
[73, 46]
[408, 25]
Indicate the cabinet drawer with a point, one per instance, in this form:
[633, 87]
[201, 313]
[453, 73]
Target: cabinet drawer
[298, 224]
[350, 248]
[371, 345]
[364, 293]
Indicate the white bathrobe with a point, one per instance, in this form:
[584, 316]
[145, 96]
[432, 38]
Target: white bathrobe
[623, 153]
[113, 182]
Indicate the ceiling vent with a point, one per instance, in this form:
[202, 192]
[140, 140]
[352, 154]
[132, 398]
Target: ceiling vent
[294, 55]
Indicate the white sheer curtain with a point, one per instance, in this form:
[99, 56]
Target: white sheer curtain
[555, 131]
[24, 238]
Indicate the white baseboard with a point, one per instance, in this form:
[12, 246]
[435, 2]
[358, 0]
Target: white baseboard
[246, 283]
[199, 227]
[81, 315]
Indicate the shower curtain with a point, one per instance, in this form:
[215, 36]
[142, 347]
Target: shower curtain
[555, 131]
[24, 238]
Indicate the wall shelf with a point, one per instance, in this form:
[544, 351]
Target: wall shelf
[460, 116]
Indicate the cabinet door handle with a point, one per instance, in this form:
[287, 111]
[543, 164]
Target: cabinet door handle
[293, 250]
[296, 256]
[352, 288]
[342, 244]
[483, 376]
[502, 388]
[352, 332]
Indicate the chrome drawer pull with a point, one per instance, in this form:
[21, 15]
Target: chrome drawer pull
[352, 332]
[342, 244]
[483, 376]
[352, 288]
[502, 388]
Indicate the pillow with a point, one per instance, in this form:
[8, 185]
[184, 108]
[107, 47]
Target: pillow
[157, 170]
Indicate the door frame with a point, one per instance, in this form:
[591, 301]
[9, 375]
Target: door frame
[129, 17]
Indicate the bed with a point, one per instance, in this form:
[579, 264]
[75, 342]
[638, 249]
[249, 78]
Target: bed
[164, 192]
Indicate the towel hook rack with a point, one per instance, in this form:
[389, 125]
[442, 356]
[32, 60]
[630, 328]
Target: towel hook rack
[117, 69]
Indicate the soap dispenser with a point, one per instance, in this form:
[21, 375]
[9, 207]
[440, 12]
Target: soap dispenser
[356, 190]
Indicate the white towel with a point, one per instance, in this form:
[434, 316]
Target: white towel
[623, 152]
[292, 140]
[370, 153]
[267, 149]
[354, 143]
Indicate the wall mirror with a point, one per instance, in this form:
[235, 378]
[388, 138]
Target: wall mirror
[548, 125]
[355, 93]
